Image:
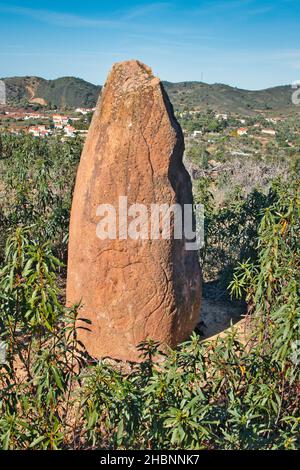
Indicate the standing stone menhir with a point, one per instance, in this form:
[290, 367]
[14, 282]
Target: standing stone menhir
[131, 289]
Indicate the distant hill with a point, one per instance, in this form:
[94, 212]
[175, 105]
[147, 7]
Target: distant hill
[65, 92]
[224, 98]
[73, 92]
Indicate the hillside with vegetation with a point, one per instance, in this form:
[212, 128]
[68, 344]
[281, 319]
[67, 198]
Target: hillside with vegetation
[68, 92]
[65, 92]
[224, 98]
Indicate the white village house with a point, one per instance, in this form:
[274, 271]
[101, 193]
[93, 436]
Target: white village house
[60, 121]
[268, 132]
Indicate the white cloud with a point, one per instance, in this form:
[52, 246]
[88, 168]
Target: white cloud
[70, 20]
[146, 10]
[60, 19]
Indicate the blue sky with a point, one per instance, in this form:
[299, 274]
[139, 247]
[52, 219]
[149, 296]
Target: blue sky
[248, 43]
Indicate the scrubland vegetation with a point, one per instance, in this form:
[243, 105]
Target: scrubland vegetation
[63, 92]
[231, 393]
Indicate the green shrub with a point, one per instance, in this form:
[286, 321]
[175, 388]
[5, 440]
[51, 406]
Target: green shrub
[231, 393]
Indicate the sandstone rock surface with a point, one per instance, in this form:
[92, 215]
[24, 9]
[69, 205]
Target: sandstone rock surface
[131, 289]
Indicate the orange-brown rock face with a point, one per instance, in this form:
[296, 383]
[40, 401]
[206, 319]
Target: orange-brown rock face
[131, 289]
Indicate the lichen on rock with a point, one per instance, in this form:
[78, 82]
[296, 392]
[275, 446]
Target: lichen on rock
[129, 289]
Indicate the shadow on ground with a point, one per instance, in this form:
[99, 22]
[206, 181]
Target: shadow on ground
[218, 312]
